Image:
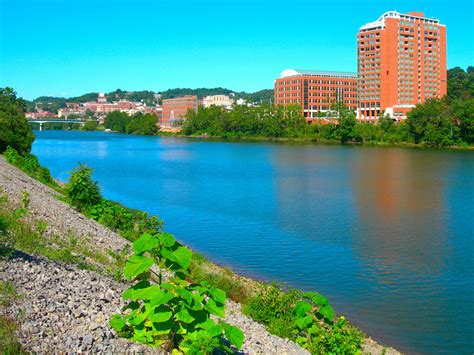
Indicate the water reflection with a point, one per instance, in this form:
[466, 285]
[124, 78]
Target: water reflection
[401, 210]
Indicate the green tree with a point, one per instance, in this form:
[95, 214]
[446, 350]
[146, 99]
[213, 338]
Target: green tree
[432, 124]
[90, 126]
[460, 83]
[347, 123]
[463, 113]
[143, 124]
[14, 128]
[117, 121]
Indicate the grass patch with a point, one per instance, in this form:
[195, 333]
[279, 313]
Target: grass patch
[222, 278]
[17, 234]
[8, 326]
[8, 340]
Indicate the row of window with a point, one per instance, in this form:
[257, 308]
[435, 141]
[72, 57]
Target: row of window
[370, 35]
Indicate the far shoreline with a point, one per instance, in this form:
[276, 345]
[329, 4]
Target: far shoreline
[284, 140]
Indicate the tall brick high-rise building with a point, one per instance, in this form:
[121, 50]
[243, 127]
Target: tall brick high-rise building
[401, 62]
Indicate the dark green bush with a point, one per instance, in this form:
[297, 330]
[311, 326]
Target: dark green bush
[82, 191]
[30, 165]
[129, 223]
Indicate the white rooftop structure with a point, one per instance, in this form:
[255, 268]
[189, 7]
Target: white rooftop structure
[380, 22]
[338, 74]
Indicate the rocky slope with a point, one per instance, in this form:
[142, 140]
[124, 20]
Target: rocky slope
[66, 309]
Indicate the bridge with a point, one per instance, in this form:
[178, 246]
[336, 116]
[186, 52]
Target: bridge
[81, 122]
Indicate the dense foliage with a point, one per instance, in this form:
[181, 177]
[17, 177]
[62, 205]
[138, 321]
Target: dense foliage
[279, 122]
[81, 190]
[128, 222]
[460, 83]
[30, 165]
[306, 318]
[14, 129]
[174, 312]
[144, 124]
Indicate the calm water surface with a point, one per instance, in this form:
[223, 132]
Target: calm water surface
[385, 233]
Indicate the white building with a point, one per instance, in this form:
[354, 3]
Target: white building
[218, 100]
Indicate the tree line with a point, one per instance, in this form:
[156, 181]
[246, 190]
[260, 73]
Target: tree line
[144, 124]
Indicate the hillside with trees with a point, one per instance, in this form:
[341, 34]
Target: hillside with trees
[53, 104]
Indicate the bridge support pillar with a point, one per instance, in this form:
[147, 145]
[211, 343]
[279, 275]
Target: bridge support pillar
[41, 126]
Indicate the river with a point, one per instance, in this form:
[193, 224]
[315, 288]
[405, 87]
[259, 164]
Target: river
[385, 233]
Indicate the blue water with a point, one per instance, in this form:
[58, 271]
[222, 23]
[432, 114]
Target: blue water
[385, 233]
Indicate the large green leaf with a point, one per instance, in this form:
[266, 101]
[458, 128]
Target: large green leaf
[213, 308]
[167, 240]
[215, 330]
[327, 312]
[302, 323]
[184, 316]
[117, 322]
[301, 308]
[160, 315]
[234, 335]
[136, 265]
[319, 300]
[168, 254]
[144, 243]
[186, 296]
[163, 299]
[134, 292]
[218, 295]
[183, 256]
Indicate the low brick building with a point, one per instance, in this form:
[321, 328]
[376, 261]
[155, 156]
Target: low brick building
[315, 91]
[176, 108]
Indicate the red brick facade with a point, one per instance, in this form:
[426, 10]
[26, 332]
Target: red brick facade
[315, 91]
[175, 109]
[401, 62]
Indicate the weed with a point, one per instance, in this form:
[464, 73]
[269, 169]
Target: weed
[8, 293]
[41, 226]
[25, 199]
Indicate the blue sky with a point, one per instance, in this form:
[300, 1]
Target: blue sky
[70, 47]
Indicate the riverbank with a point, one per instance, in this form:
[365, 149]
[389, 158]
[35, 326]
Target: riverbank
[99, 252]
[310, 140]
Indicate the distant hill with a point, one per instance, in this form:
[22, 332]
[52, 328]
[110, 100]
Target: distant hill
[51, 103]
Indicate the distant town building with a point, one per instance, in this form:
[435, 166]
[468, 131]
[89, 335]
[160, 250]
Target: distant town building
[401, 62]
[175, 109]
[218, 100]
[315, 91]
[102, 98]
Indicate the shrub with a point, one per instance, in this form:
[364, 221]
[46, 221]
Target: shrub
[82, 191]
[174, 313]
[30, 165]
[131, 224]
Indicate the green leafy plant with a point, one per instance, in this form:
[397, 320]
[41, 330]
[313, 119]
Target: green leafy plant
[131, 224]
[317, 330]
[30, 165]
[174, 313]
[81, 189]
